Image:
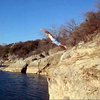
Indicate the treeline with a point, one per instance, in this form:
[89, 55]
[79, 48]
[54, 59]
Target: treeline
[88, 29]
[25, 49]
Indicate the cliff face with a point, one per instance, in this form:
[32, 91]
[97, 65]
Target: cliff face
[36, 63]
[77, 75]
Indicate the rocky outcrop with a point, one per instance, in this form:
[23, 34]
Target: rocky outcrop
[14, 66]
[36, 63]
[77, 75]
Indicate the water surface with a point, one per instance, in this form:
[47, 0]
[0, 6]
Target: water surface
[14, 86]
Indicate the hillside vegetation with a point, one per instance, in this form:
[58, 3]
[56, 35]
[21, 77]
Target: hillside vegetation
[71, 33]
[25, 49]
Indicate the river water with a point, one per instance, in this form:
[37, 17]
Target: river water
[14, 86]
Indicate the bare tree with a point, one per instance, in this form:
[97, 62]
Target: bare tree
[71, 26]
[63, 32]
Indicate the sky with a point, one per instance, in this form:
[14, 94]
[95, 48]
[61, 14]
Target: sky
[21, 20]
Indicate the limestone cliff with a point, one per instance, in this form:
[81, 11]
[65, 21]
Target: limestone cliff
[77, 75]
[36, 63]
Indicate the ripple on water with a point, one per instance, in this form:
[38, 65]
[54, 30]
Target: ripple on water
[23, 87]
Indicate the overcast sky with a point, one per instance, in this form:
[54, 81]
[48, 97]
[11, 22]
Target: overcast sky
[21, 20]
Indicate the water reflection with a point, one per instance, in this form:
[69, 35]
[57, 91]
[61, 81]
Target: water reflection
[23, 87]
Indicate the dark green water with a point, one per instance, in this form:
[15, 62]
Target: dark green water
[14, 86]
